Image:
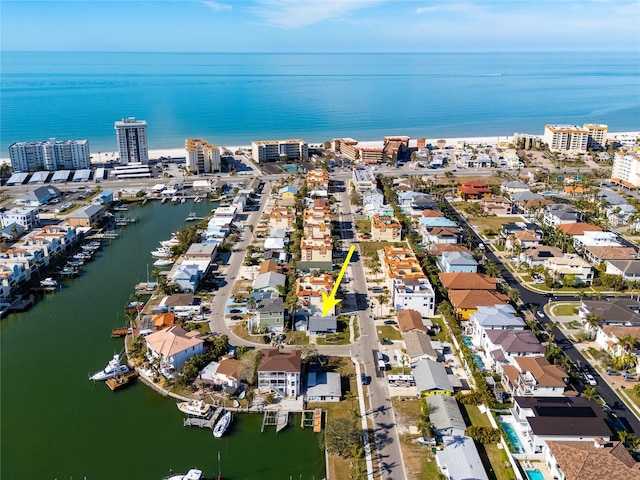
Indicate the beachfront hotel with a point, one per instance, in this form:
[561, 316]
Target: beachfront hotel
[50, 155]
[132, 141]
[274, 150]
[626, 170]
[202, 156]
[597, 136]
[571, 138]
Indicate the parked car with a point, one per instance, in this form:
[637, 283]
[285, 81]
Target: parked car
[390, 322]
[631, 376]
[386, 341]
[590, 380]
[613, 373]
[541, 314]
[235, 310]
[366, 380]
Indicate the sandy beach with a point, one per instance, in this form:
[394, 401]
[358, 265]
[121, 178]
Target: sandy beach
[156, 154]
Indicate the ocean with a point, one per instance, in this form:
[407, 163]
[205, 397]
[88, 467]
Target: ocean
[232, 99]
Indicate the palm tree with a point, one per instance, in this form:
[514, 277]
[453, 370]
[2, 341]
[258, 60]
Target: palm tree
[592, 322]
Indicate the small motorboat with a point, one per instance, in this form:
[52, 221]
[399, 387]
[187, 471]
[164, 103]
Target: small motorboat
[222, 425]
[236, 404]
[161, 252]
[48, 282]
[195, 408]
[163, 262]
[193, 474]
[112, 369]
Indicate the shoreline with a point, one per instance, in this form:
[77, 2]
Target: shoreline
[180, 152]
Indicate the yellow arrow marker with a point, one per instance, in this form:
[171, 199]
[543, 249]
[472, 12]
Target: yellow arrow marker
[329, 301]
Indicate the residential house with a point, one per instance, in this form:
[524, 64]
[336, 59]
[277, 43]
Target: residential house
[451, 262]
[474, 190]
[619, 215]
[173, 346]
[496, 206]
[536, 377]
[410, 321]
[460, 460]
[182, 304]
[596, 239]
[400, 262]
[522, 240]
[288, 192]
[418, 346]
[445, 416]
[559, 213]
[503, 346]
[279, 371]
[437, 249]
[529, 203]
[493, 317]
[466, 302]
[578, 228]
[374, 197]
[323, 387]
[569, 264]
[562, 418]
[87, 216]
[41, 196]
[269, 282]
[514, 187]
[616, 311]
[598, 255]
[467, 281]
[431, 378]
[609, 338]
[537, 255]
[225, 373]
[580, 460]
[628, 269]
[319, 325]
[269, 266]
[269, 316]
[386, 229]
[425, 223]
[26, 217]
[413, 293]
[186, 276]
[440, 235]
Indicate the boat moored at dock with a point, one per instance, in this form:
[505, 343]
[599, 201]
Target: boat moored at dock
[222, 425]
[112, 369]
[193, 474]
[48, 282]
[195, 408]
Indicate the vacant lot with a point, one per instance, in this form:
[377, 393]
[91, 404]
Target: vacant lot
[493, 223]
[565, 309]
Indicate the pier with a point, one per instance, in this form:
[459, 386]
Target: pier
[312, 418]
[209, 422]
[279, 418]
[121, 381]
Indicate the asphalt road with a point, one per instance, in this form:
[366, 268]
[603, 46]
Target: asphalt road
[624, 414]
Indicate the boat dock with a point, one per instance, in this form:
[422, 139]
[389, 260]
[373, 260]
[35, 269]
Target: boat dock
[203, 422]
[123, 332]
[312, 418]
[121, 381]
[279, 418]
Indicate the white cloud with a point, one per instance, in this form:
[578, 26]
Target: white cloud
[297, 13]
[450, 8]
[216, 6]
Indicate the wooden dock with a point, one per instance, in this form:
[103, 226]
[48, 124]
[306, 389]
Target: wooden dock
[123, 332]
[317, 420]
[270, 418]
[121, 381]
[209, 422]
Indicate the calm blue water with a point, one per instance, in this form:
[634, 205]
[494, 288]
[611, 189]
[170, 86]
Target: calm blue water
[236, 98]
[513, 437]
[535, 474]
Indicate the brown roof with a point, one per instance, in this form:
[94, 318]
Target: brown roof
[274, 360]
[229, 367]
[578, 228]
[269, 266]
[527, 236]
[179, 299]
[468, 299]
[164, 319]
[581, 460]
[171, 340]
[612, 253]
[546, 374]
[467, 281]
[410, 321]
[439, 248]
[432, 213]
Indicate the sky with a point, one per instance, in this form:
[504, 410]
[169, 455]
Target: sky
[320, 25]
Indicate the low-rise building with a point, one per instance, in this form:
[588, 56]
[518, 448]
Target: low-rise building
[569, 264]
[323, 387]
[460, 460]
[560, 213]
[535, 377]
[431, 378]
[474, 190]
[87, 216]
[496, 206]
[414, 293]
[451, 262]
[410, 321]
[173, 346]
[445, 415]
[27, 217]
[386, 229]
[269, 315]
[279, 371]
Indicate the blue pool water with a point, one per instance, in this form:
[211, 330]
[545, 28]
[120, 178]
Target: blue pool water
[477, 359]
[514, 440]
[467, 340]
[289, 168]
[535, 474]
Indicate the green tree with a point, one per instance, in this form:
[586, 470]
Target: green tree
[344, 437]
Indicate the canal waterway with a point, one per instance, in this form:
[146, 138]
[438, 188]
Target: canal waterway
[55, 423]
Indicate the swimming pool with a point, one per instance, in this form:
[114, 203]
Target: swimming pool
[467, 340]
[289, 168]
[514, 440]
[477, 359]
[534, 474]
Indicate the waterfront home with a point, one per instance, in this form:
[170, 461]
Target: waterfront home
[163, 320]
[466, 302]
[410, 321]
[413, 293]
[562, 418]
[87, 216]
[460, 460]
[559, 213]
[280, 372]
[386, 229]
[173, 346]
[431, 378]
[629, 270]
[579, 460]
[104, 198]
[323, 387]
[418, 347]
[182, 304]
[225, 373]
[201, 252]
[269, 315]
[451, 262]
[502, 346]
[445, 416]
[493, 317]
[13, 231]
[185, 276]
[536, 377]
[26, 217]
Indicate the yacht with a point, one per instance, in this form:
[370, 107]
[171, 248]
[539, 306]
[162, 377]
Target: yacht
[195, 408]
[163, 262]
[222, 425]
[112, 369]
[170, 243]
[48, 282]
[193, 474]
[162, 252]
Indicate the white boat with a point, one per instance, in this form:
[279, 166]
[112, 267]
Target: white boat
[222, 425]
[193, 474]
[242, 393]
[121, 208]
[163, 262]
[236, 404]
[161, 252]
[112, 369]
[195, 408]
[170, 243]
[48, 282]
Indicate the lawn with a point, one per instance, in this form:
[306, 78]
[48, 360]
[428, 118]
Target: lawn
[564, 309]
[299, 338]
[493, 223]
[388, 331]
[363, 226]
[370, 249]
[442, 335]
[339, 338]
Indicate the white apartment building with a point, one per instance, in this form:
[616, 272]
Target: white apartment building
[363, 179]
[50, 155]
[571, 138]
[132, 141]
[414, 294]
[202, 156]
[26, 217]
[597, 136]
[626, 170]
[273, 150]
